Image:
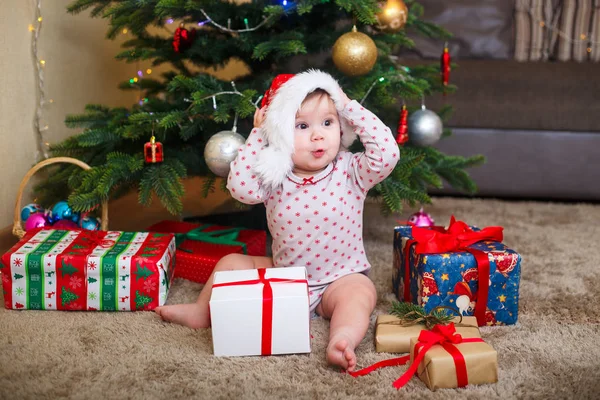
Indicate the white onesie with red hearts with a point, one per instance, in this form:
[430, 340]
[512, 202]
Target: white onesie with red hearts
[317, 222]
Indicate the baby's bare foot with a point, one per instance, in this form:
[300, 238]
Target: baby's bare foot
[340, 351]
[191, 315]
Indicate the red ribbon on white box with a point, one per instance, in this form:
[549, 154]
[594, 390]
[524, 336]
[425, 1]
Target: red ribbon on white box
[267, 308]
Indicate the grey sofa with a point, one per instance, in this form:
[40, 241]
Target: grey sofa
[538, 123]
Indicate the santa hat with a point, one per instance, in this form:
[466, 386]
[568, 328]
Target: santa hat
[283, 100]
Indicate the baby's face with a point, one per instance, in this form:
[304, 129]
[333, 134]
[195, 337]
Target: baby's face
[316, 136]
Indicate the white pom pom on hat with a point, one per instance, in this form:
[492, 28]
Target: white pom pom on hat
[283, 100]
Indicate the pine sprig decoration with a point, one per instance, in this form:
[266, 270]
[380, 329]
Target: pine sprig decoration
[400, 309]
[410, 313]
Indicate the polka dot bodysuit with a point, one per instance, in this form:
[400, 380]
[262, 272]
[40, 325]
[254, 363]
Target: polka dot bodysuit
[317, 222]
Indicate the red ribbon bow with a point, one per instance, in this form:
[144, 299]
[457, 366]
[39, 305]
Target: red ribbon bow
[458, 237]
[445, 336]
[267, 309]
[306, 181]
[93, 239]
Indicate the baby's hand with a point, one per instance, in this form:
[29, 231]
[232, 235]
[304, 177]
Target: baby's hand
[259, 117]
[345, 99]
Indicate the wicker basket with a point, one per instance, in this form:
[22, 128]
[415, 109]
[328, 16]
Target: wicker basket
[18, 223]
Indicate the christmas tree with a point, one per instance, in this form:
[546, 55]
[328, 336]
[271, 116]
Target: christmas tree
[184, 108]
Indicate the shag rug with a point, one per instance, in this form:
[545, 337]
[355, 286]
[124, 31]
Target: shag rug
[552, 352]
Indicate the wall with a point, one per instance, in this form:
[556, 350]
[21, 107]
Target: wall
[80, 68]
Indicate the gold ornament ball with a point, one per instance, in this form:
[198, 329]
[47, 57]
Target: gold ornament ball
[354, 53]
[393, 16]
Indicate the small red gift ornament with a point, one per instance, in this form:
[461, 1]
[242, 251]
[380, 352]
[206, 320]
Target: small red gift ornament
[153, 151]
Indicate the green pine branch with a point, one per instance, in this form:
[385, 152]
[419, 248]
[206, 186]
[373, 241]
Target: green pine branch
[177, 106]
[412, 312]
[208, 186]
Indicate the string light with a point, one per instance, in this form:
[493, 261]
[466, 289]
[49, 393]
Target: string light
[235, 119]
[228, 28]
[584, 37]
[214, 96]
[135, 79]
[209, 20]
[553, 27]
[148, 71]
[42, 145]
[255, 103]
[381, 79]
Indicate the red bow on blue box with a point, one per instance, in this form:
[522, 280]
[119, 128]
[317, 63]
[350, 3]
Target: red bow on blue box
[444, 272]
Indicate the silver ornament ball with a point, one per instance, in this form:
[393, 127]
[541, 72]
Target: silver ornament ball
[221, 149]
[424, 127]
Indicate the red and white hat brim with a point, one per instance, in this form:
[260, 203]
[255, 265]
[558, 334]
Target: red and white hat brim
[275, 162]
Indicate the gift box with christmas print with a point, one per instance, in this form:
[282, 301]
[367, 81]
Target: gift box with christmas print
[52, 269]
[200, 247]
[461, 267]
[260, 312]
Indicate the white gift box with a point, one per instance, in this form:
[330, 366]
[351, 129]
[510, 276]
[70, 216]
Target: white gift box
[237, 303]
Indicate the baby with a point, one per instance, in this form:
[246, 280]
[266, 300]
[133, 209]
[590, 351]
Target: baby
[295, 161]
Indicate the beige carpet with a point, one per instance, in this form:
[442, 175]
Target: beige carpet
[553, 352]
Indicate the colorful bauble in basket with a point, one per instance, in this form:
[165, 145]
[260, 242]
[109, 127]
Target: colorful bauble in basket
[18, 226]
[60, 216]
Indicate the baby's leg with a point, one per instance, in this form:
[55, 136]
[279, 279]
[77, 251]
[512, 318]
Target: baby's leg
[348, 302]
[196, 315]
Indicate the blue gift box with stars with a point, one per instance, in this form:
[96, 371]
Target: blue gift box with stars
[451, 279]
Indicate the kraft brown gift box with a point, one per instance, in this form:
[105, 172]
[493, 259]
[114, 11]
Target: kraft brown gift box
[390, 337]
[437, 369]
